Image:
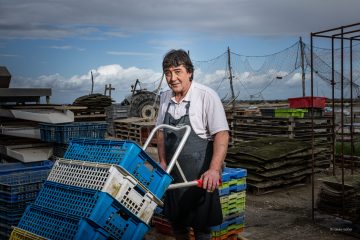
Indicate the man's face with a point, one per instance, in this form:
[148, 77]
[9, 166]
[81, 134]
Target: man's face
[178, 79]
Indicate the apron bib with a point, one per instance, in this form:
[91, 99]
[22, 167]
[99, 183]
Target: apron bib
[190, 206]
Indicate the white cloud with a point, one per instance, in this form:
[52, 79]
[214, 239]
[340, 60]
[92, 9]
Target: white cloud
[78, 85]
[67, 47]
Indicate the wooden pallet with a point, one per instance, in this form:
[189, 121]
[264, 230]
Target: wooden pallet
[135, 129]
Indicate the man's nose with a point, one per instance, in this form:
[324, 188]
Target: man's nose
[172, 76]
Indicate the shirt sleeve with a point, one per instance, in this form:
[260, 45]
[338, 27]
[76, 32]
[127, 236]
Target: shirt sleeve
[216, 117]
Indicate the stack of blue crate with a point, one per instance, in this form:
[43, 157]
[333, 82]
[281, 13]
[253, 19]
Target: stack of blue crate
[101, 189]
[60, 134]
[20, 183]
[232, 197]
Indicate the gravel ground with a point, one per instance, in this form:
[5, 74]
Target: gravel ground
[286, 214]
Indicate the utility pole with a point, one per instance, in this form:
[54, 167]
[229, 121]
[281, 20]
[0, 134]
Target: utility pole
[92, 83]
[231, 81]
[302, 52]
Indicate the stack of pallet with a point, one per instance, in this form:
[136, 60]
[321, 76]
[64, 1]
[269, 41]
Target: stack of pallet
[19, 185]
[340, 199]
[114, 112]
[135, 129]
[102, 189]
[94, 104]
[232, 197]
[275, 162]
[60, 134]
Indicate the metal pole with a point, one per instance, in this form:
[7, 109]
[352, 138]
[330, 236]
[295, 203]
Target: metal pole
[333, 101]
[351, 109]
[302, 52]
[342, 124]
[312, 132]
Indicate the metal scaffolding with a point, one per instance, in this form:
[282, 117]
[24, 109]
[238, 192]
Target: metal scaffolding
[345, 36]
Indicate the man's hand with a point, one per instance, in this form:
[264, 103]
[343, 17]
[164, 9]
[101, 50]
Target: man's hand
[211, 179]
[163, 165]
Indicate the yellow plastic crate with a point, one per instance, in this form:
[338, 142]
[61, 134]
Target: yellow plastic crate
[21, 234]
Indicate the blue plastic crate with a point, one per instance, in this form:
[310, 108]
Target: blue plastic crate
[233, 188]
[48, 224]
[18, 197]
[236, 220]
[90, 230]
[20, 182]
[9, 168]
[85, 203]
[126, 154]
[10, 218]
[233, 173]
[119, 224]
[5, 231]
[14, 206]
[62, 133]
[68, 199]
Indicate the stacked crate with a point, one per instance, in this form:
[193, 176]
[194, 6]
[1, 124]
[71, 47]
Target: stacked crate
[19, 185]
[109, 191]
[135, 129]
[60, 134]
[232, 198]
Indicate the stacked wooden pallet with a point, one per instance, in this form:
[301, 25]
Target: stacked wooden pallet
[95, 107]
[232, 115]
[340, 199]
[274, 162]
[135, 129]
[113, 112]
[250, 128]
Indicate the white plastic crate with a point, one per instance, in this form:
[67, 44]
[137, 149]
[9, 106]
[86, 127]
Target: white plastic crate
[107, 178]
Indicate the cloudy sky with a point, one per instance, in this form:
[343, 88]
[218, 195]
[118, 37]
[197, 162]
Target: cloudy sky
[57, 43]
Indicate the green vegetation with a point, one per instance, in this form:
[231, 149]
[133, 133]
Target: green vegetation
[347, 148]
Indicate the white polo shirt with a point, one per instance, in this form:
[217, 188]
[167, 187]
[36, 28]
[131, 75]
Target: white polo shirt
[206, 112]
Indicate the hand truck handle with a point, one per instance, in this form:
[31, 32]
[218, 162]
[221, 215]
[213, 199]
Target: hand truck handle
[181, 144]
[198, 183]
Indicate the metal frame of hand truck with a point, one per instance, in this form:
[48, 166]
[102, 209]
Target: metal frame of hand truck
[173, 160]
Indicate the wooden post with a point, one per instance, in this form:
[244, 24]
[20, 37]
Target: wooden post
[231, 81]
[108, 88]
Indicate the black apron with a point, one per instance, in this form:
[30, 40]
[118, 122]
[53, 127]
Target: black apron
[190, 206]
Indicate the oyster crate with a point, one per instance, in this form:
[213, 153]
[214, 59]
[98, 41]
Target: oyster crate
[290, 112]
[22, 182]
[126, 154]
[307, 102]
[107, 178]
[62, 133]
[63, 220]
[21, 234]
[240, 219]
[232, 173]
[8, 168]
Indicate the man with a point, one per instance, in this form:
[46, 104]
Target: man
[193, 104]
